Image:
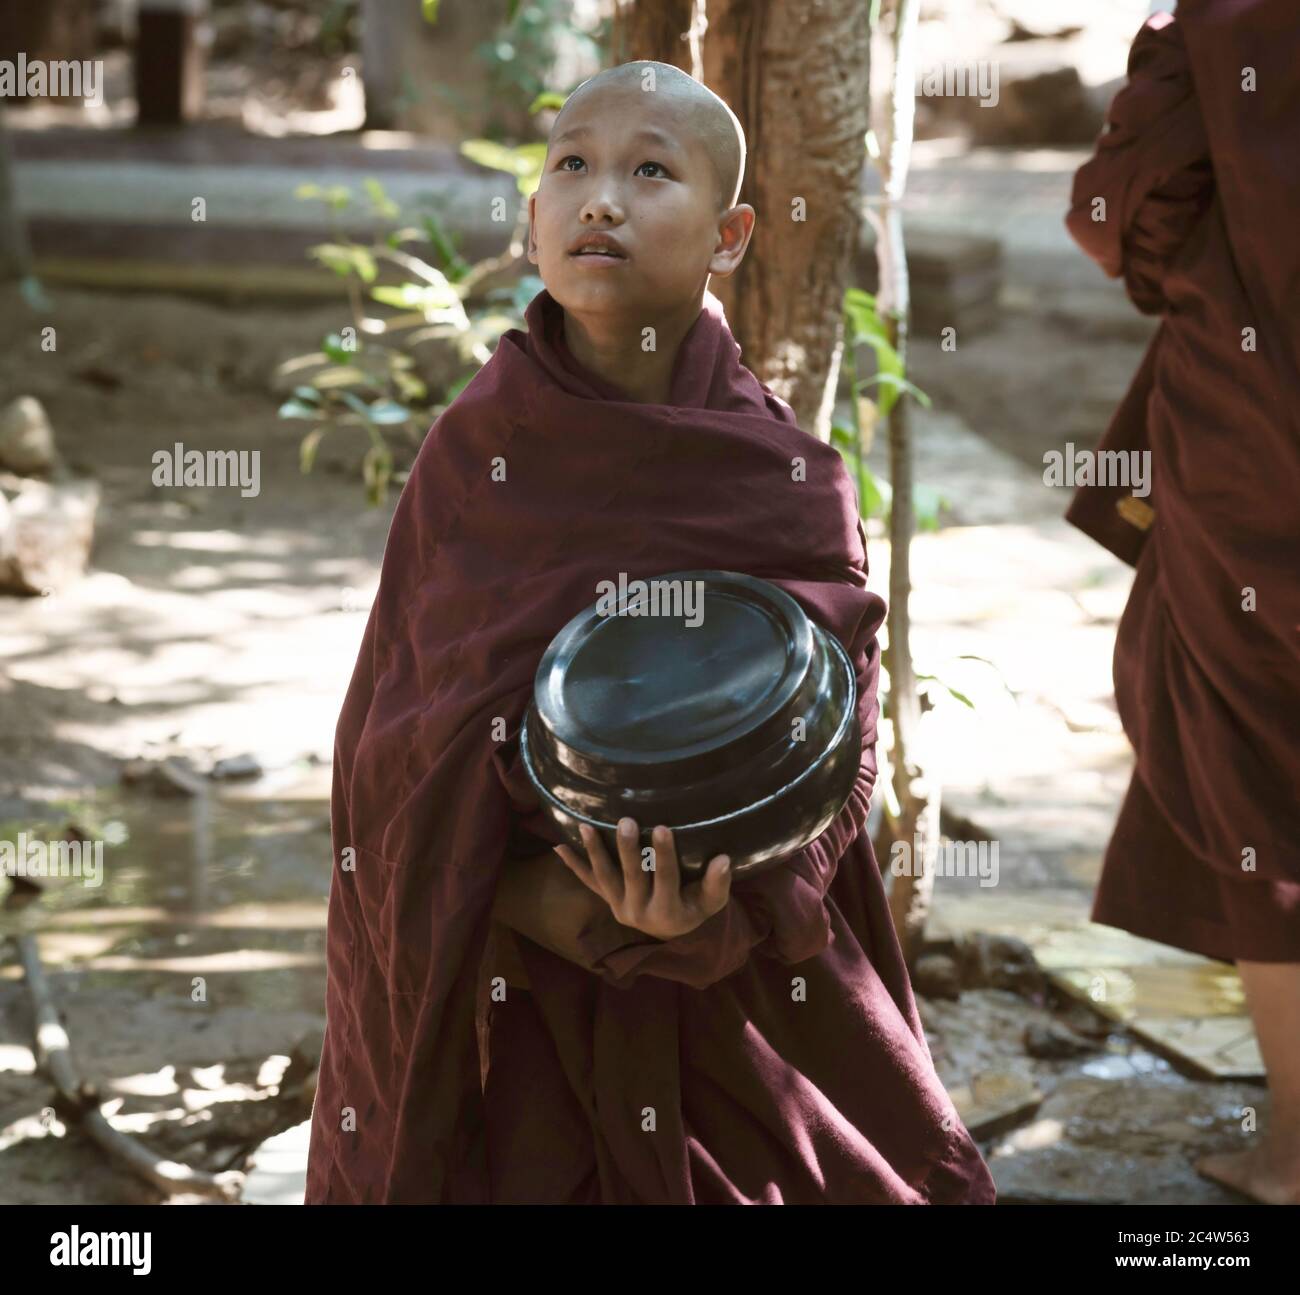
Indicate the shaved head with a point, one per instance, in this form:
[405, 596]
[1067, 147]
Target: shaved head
[705, 119]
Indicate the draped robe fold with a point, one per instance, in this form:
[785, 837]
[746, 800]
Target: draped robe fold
[774, 1054]
[1193, 196]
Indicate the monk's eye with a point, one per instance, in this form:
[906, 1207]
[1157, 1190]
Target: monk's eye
[660, 165]
[573, 157]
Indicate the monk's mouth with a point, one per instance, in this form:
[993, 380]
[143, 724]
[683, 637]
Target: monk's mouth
[597, 258]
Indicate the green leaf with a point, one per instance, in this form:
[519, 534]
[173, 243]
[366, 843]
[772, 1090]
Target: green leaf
[453, 264]
[889, 375]
[1002, 679]
[960, 696]
[345, 259]
[410, 387]
[872, 333]
[458, 386]
[429, 9]
[376, 469]
[404, 295]
[388, 412]
[308, 394]
[337, 196]
[426, 297]
[927, 503]
[405, 234]
[895, 384]
[384, 206]
[523, 161]
[307, 450]
[345, 376]
[33, 295]
[860, 308]
[866, 328]
[422, 270]
[336, 350]
[547, 99]
[879, 496]
[298, 409]
[356, 404]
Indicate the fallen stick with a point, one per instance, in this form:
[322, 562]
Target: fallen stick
[54, 1053]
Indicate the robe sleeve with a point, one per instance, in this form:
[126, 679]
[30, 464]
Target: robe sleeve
[1149, 181]
[779, 914]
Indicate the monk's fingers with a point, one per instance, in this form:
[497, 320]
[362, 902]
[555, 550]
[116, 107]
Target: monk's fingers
[715, 887]
[637, 880]
[606, 873]
[581, 870]
[667, 875]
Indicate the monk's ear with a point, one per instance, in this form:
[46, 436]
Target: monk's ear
[532, 225]
[734, 232]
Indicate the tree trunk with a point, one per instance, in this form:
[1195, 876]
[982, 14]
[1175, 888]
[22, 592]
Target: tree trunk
[666, 31]
[49, 31]
[428, 77]
[796, 77]
[15, 253]
[797, 82]
[917, 826]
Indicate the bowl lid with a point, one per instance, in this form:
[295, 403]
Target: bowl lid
[674, 667]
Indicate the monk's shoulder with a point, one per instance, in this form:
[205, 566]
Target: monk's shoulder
[486, 400]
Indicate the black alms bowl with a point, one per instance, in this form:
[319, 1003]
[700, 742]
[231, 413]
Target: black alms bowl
[707, 701]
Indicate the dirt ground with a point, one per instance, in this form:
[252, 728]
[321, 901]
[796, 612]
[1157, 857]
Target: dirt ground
[135, 374]
[215, 626]
[209, 625]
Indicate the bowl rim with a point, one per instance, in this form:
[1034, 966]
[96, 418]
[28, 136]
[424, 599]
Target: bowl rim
[846, 720]
[770, 597]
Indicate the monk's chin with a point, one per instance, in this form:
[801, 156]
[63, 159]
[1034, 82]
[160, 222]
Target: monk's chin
[601, 298]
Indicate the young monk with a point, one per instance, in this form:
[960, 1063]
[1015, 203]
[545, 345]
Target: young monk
[1193, 196]
[508, 1023]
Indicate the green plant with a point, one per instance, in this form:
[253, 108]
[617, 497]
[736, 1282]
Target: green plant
[518, 60]
[864, 327]
[369, 378]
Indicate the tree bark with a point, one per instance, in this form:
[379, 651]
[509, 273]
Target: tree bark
[48, 31]
[15, 253]
[427, 77]
[797, 78]
[917, 826]
[659, 30]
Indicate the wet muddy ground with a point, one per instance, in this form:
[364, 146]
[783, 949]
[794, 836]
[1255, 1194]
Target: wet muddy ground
[186, 982]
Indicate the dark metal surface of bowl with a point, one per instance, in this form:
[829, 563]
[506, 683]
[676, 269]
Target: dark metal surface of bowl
[733, 721]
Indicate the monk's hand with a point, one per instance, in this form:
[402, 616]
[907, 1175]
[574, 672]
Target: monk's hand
[649, 898]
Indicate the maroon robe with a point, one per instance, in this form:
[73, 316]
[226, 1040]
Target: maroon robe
[775, 1053]
[1201, 183]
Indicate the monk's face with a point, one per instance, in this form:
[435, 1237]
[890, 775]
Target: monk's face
[621, 162]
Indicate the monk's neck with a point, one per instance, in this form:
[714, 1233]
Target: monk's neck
[617, 354]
